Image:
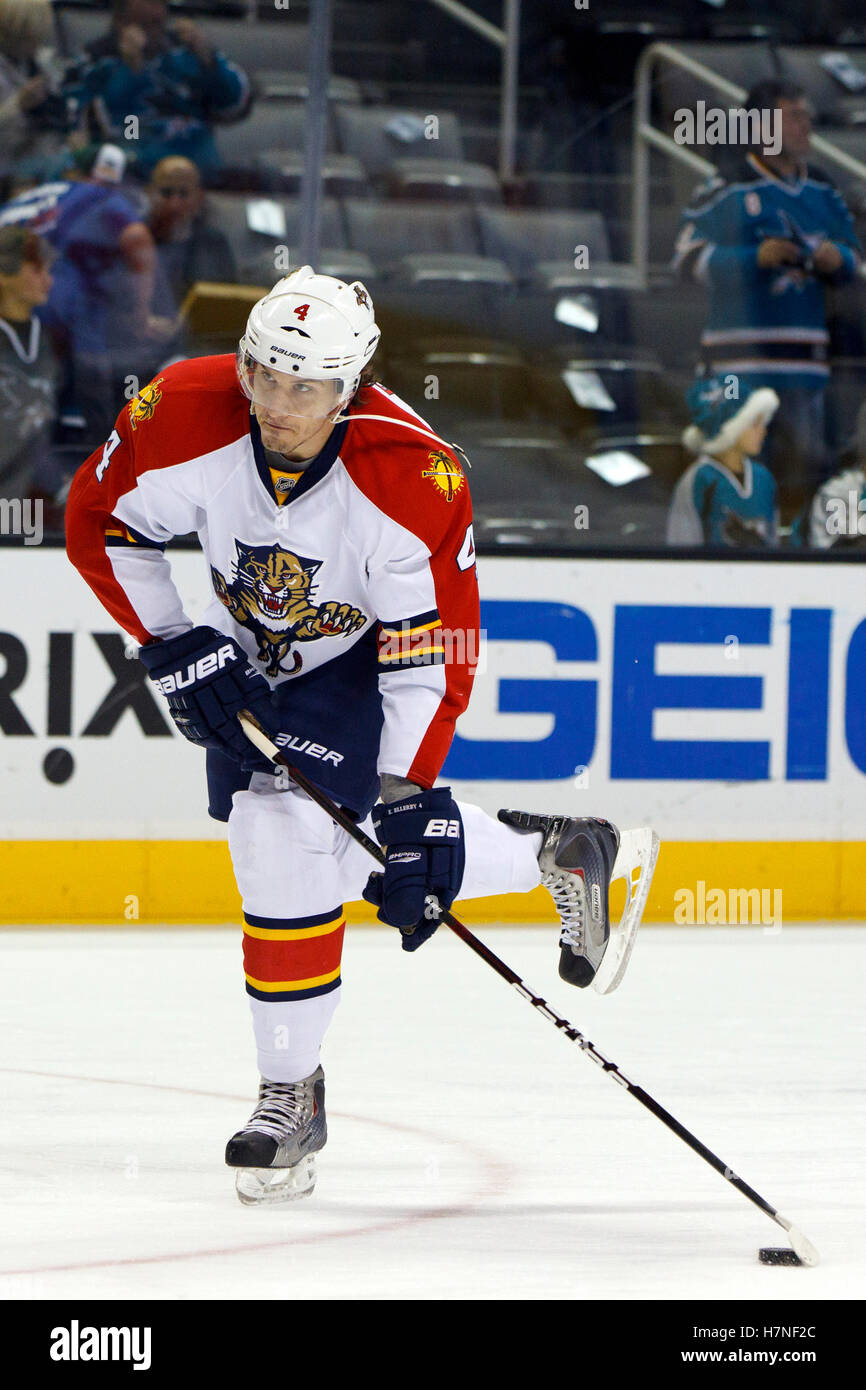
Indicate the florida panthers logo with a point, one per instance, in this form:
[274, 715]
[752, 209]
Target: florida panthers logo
[445, 473]
[145, 403]
[272, 592]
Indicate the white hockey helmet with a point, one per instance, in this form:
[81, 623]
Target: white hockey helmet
[310, 327]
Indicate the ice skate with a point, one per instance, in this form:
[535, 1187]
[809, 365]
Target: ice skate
[579, 859]
[275, 1151]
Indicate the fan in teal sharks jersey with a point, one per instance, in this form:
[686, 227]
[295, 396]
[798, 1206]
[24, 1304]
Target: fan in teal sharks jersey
[726, 498]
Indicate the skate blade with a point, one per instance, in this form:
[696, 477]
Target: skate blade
[261, 1186]
[635, 862]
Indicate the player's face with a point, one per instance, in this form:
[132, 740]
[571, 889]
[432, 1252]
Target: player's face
[294, 416]
[282, 400]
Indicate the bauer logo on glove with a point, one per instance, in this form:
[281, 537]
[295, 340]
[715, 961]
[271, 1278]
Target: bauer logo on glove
[424, 859]
[196, 671]
[206, 678]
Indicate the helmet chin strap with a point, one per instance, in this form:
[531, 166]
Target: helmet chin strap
[341, 418]
[406, 425]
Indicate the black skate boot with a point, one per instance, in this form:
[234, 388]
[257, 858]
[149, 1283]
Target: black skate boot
[274, 1152]
[576, 860]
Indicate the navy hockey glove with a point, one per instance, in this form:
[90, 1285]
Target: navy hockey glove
[425, 855]
[206, 678]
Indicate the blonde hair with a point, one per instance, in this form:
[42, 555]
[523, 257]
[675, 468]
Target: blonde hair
[24, 26]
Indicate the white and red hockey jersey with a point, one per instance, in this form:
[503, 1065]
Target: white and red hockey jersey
[351, 585]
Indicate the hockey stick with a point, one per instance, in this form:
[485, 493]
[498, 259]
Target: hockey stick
[803, 1248]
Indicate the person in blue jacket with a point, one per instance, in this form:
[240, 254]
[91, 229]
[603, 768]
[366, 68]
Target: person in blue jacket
[167, 76]
[726, 498]
[767, 236]
[100, 309]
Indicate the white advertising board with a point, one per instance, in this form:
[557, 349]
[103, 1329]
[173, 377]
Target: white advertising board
[716, 701]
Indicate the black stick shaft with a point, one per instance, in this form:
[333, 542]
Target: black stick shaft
[540, 1004]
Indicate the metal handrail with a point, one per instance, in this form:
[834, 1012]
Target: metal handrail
[472, 21]
[508, 40]
[645, 135]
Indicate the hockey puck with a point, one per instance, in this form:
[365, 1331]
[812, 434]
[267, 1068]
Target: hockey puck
[778, 1255]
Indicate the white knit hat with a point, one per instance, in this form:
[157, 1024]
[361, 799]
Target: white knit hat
[720, 420]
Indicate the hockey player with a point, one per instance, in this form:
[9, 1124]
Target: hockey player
[338, 533]
[726, 498]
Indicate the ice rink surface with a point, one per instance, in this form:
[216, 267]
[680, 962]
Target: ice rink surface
[473, 1152]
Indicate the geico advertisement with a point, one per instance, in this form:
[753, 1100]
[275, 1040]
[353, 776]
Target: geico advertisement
[713, 700]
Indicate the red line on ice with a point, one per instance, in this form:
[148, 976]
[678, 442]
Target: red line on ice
[498, 1178]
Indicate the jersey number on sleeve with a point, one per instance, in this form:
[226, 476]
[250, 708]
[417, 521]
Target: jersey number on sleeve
[466, 553]
[110, 445]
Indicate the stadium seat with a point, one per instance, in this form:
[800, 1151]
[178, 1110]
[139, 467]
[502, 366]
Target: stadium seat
[454, 180]
[378, 61]
[466, 378]
[255, 227]
[271, 125]
[595, 393]
[282, 44]
[379, 135]
[432, 269]
[528, 478]
[744, 20]
[465, 293]
[346, 265]
[342, 175]
[484, 433]
[542, 242]
[280, 84]
[617, 20]
[660, 449]
[76, 27]
[833, 101]
[389, 230]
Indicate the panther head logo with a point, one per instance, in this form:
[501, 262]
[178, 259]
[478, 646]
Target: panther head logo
[274, 579]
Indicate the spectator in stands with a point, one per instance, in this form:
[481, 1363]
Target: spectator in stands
[32, 116]
[726, 498]
[166, 76]
[99, 309]
[29, 371]
[835, 519]
[188, 248]
[767, 237]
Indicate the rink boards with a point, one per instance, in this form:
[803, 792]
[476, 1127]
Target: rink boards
[723, 703]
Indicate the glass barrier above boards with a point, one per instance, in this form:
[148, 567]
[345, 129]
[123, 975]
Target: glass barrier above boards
[630, 303]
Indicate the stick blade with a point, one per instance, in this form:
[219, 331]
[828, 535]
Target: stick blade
[804, 1248]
